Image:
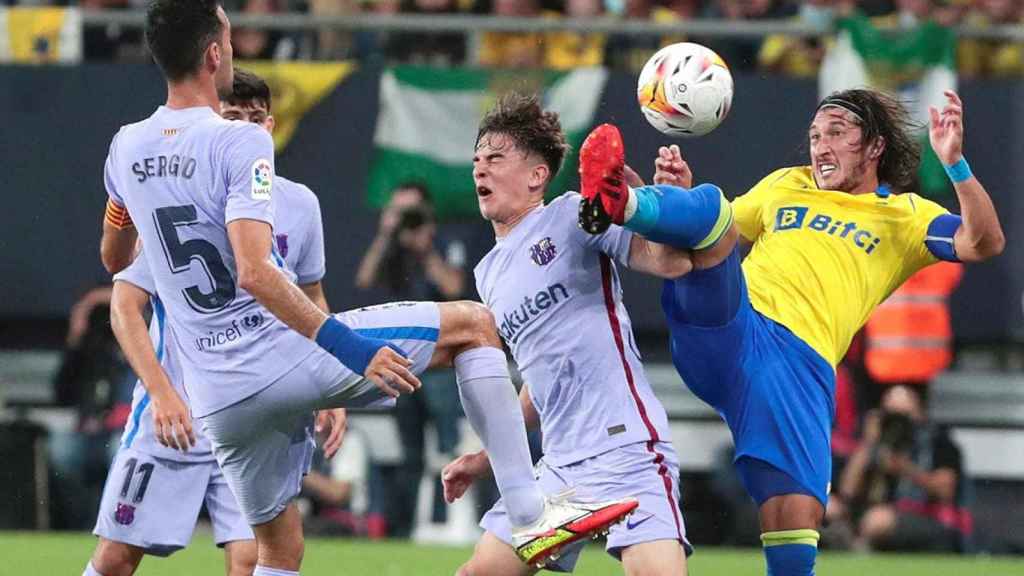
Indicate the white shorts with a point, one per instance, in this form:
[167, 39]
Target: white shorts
[648, 473]
[265, 443]
[153, 503]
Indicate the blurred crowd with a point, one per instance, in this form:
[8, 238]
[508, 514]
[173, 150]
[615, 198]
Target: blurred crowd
[564, 50]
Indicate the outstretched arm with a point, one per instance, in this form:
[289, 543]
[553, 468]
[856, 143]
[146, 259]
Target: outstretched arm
[979, 236]
[171, 417]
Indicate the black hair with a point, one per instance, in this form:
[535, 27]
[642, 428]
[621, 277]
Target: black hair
[249, 88]
[531, 128]
[178, 32]
[883, 116]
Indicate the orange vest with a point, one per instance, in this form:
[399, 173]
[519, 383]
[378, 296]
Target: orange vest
[909, 334]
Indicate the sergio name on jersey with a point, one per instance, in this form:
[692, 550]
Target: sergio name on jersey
[555, 295]
[822, 260]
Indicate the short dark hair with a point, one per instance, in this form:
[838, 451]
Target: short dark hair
[178, 33]
[531, 128]
[249, 88]
[881, 115]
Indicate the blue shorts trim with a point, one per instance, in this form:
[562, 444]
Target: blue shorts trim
[401, 333]
[776, 393]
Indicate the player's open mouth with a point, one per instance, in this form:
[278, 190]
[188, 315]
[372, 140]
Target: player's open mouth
[826, 170]
[483, 191]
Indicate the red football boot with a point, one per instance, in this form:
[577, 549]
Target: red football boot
[602, 183]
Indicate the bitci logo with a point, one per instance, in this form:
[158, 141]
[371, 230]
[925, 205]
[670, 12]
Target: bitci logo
[543, 252]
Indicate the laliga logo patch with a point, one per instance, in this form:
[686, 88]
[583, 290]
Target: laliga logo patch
[262, 179]
[543, 252]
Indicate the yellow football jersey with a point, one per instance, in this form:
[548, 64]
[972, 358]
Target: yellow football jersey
[822, 260]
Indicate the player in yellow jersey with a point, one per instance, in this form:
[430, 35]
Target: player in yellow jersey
[759, 342]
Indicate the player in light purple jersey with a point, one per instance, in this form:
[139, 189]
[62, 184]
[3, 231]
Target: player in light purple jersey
[603, 429]
[257, 354]
[154, 492]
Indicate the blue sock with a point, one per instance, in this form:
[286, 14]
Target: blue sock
[691, 219]
[790, 552]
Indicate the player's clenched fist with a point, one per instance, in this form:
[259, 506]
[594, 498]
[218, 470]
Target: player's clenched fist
[389, 370]
[460, 474]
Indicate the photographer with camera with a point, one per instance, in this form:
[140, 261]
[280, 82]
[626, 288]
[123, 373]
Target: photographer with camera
[902, 488]
[405, 259]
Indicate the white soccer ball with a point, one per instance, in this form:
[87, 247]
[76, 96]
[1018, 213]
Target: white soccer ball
[685, 89]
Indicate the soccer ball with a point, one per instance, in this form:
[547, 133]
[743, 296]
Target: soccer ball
[685, 89]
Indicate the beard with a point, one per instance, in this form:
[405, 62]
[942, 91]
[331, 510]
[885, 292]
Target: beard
[851, 181]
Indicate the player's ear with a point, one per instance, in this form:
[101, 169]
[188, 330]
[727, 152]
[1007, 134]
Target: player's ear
[539, 175]
[212, 57]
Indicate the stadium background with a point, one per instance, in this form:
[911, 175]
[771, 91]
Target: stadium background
[59, 118]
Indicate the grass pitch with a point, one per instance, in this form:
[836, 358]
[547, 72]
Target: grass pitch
[49, 553]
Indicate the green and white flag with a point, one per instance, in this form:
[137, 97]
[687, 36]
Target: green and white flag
[916, 62]
[428, 118]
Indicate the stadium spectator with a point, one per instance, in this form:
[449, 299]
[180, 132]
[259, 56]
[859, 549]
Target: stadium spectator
[903, 489]
[429, 48]
[568, 50]
[254, 43]
[404, 260]
[630, 53]
[94, 378]
[110, 42]
[993, 58]
[512, 49]
[741, 54]
[799, 56]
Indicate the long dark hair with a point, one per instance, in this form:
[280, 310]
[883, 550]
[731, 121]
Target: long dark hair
[883, 116]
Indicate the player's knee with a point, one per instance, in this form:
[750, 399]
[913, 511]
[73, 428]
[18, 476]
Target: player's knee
[471, 324]
[115, 558]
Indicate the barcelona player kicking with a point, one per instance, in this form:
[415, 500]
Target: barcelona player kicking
[759, 341]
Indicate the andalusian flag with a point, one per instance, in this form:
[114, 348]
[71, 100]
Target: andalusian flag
[428, 118]
[916, 62]
[40, 35]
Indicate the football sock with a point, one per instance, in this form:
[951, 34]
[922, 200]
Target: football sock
[692, 219]
[91, 570]
[266, 571]
[790, 552]
[492, 407]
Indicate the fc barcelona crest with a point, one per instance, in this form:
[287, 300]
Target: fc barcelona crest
[125, 514]
[282, 245]
[543, 252]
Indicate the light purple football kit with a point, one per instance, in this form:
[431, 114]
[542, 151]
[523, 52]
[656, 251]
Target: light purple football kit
[604, 432]
[177, 483]
[252, 382]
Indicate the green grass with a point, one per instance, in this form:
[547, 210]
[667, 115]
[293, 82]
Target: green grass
[66, 553]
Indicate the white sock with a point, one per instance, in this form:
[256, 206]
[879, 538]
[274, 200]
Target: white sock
[627, 214]
[492, 406]
[91, 570]
[265, 571]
